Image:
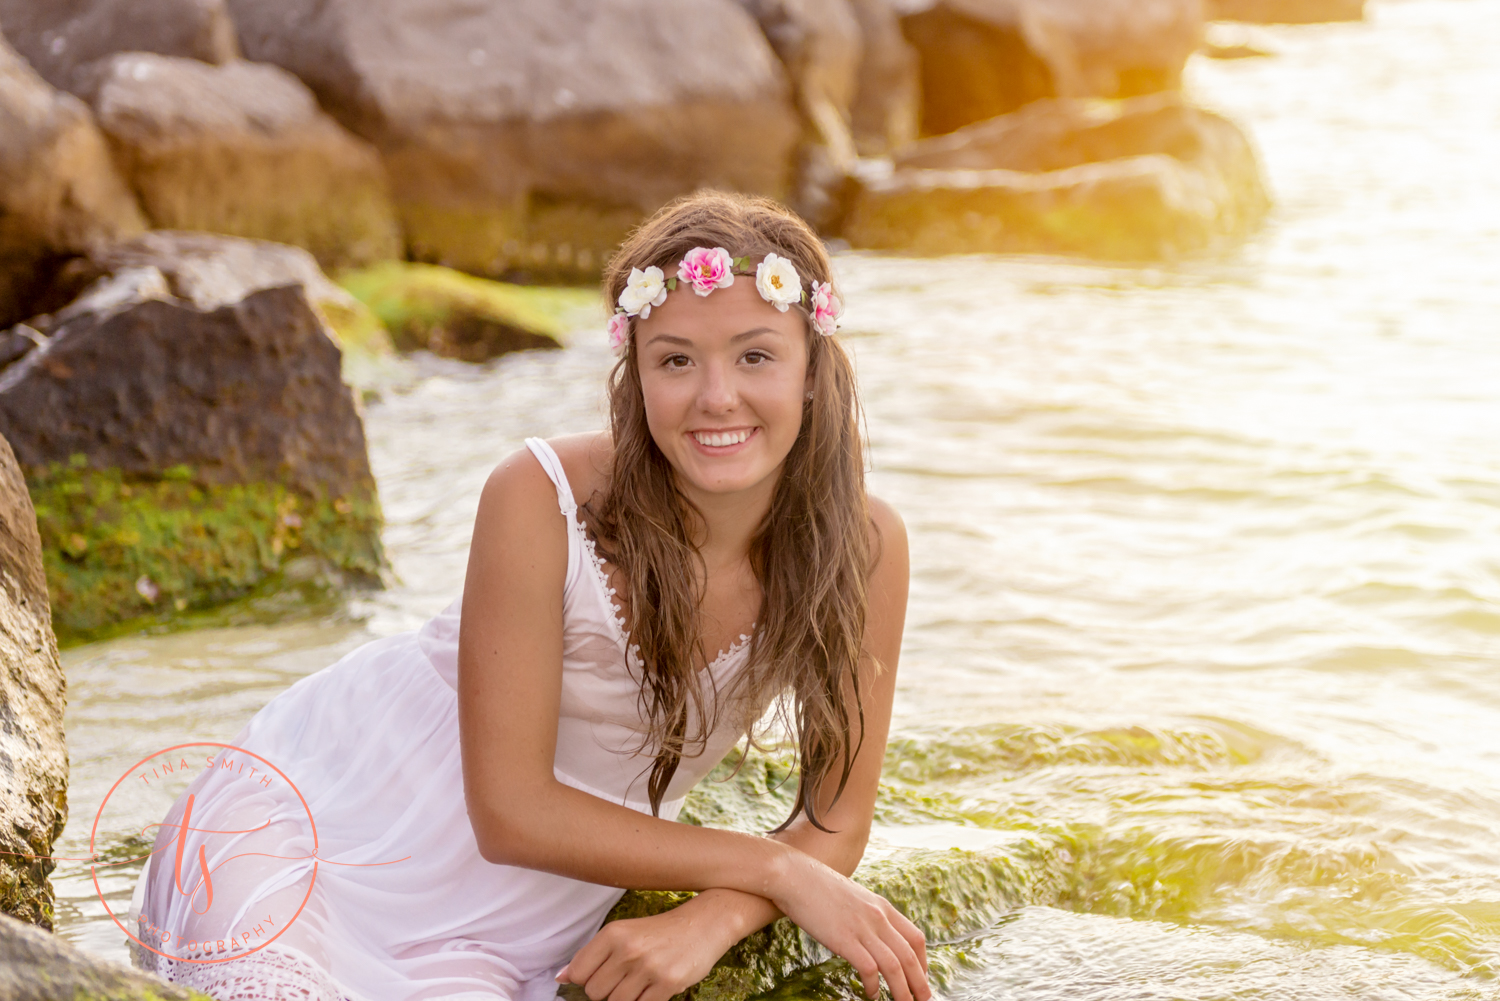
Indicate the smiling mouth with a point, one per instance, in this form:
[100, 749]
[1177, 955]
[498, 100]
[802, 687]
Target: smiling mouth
[722, 439]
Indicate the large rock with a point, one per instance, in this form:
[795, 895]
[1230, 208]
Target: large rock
[531, 136]
[178, 456]
[33, 758]
[982, 58]
[1144, 178]
[1286, 11]
[61, 37]
[819, 43]
[209, 271]
[887, 106]
[243, 149]
[37, 966]
[60, 194]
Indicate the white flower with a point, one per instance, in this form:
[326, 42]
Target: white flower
[643, 289]
[777, 281]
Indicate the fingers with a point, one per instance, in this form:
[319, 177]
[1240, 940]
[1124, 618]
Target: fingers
[868, 970]
[892, 970]
[911, 934]
[913, 976]
[631, 987]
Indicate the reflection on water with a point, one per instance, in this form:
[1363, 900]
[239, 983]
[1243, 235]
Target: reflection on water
[1206, 558]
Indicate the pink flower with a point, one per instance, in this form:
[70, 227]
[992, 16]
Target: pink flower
[619, 332]
[706, 269]
[827, 308]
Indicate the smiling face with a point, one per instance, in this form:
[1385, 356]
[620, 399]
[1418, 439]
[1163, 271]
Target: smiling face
[724, 378]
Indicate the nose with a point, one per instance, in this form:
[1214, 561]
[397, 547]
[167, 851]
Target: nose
[717, 395]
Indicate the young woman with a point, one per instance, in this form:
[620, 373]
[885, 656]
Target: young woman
[457, 808]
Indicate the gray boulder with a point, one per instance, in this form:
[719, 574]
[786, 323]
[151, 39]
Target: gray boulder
[38, 966]
[243, 149]
[531, 136]
[982, 58]
[61, 37]
[1145, 178]
[60, 193]
[33, 692]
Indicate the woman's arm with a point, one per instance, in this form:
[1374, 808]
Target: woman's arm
[670, 952]
[510, 682]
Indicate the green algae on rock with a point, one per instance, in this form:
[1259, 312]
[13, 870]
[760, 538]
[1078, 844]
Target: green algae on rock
[437, 309]
[125, 551]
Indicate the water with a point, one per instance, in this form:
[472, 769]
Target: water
[1206, 558]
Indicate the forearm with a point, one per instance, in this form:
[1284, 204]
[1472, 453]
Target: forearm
[732, 914]
[572, 833]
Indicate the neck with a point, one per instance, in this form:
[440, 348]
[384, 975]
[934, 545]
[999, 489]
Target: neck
[727, 522]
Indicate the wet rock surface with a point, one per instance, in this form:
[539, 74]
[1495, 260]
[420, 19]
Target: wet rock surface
[33, 756]
[178, 455]
[61, 37]
[1146, 178]
[38, 966]
[532, 136]
[982, 58]
[243, 149]
[60, 193]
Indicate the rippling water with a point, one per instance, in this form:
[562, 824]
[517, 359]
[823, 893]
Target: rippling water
[1206, 557]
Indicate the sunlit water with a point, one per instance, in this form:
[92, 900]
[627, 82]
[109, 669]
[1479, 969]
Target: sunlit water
[1206, 558]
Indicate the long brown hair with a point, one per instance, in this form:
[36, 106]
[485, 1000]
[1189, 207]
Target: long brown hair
[811, 555]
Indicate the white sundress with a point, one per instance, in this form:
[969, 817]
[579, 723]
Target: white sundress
[372, 745]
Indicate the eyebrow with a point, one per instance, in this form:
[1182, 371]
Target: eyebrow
[746, 335]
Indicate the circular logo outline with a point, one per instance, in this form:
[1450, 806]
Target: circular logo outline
[94, 834]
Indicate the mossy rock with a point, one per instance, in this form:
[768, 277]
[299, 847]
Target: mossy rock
[437, 309]
[124, 551]
[951, 895]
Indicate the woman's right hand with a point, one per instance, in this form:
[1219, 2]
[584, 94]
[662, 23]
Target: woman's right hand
[862, 927]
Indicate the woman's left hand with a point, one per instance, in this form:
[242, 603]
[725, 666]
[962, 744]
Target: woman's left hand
[646, 959]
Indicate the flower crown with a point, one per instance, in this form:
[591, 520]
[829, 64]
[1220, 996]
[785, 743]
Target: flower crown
[706, 269]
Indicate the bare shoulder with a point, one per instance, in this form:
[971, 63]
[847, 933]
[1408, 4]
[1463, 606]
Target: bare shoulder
[888, 531]
[585, 458]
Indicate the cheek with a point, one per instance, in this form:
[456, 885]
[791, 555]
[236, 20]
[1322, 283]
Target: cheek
[667, 401]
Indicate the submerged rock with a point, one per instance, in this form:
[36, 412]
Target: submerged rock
[1145, 178]
[526, 136]
[243, 149]
[33, 756]
[178, 456]
[61, 37]
[431, 308]
[1286, 11]
[38, 966]
[60, 193]
[982, 58]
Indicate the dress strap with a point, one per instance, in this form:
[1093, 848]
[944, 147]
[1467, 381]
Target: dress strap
[554, 469]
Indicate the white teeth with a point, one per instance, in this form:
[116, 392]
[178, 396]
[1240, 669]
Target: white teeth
[717, 440]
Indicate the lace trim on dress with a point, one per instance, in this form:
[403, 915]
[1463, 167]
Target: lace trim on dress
[268, 974]
[633, 650]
